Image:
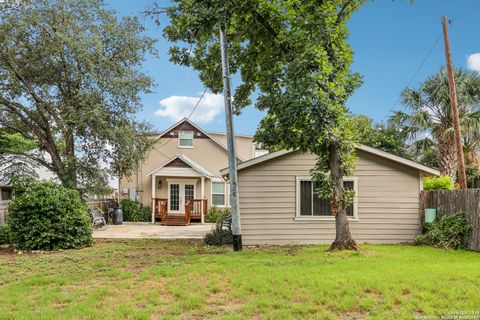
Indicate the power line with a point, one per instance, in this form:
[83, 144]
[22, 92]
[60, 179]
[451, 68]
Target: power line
[465, 13]
[424, 60]
[429, 53]
[450, 21]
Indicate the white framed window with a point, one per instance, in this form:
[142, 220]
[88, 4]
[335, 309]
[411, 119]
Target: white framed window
[185, 139]
[219, 198]
[311, 207]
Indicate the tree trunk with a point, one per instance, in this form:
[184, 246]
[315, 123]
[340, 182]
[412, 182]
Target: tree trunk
[447, 157]
[343, 237]
[68, 174]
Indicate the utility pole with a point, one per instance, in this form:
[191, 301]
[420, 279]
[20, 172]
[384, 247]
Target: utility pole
[453, 100]
[232, 159]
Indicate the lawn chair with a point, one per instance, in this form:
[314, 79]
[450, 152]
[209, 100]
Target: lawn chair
[98, 219]
[226, 223]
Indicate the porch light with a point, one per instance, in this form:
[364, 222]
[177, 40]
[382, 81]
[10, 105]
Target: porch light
[159, 184]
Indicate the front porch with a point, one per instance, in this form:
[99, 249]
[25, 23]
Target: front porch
[195, 211]
[179, 192]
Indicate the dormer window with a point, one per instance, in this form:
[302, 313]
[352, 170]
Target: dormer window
[185, 139]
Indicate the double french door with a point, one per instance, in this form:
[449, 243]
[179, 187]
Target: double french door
[178, 195]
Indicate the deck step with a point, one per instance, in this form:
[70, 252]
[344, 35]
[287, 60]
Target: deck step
[174, 220]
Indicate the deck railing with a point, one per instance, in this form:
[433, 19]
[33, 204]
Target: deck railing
[160, 209]
[195, 209]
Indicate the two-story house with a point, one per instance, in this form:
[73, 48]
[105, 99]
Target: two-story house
[180, 177]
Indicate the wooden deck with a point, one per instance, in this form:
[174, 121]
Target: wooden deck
[194, 209]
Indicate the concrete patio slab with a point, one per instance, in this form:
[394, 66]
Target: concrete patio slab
[153, 231]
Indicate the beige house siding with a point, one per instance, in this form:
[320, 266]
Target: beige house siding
[205, 152]
[243, 144]
[388, 202]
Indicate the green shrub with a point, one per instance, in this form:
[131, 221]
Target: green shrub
[438, 183]
[129, 208]
[448, 232]
[47, 216]
[5, 234]
[215, 215]
[218, 236]
[135, 212]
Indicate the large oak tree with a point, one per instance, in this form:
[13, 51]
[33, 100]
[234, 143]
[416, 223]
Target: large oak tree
[70, 79]
[294, 53]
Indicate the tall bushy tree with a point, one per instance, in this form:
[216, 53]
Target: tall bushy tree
[429, 120]
[386, 137]
[70, 80]
[295, 54]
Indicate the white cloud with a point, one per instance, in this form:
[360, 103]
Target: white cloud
[179, 107]
[473, 61]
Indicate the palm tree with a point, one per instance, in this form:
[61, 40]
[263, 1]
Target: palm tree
[471, 148]
[430, 123]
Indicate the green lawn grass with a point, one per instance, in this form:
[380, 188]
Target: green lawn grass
[154, 279]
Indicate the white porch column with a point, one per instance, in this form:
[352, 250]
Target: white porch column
[154, 178]
[202, 220]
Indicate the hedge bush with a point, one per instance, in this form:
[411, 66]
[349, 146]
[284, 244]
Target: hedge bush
[447, 233]
[218, 236]
[5, 234]
[135, 212]
[438, 183]
[47, 216]
[215, 215]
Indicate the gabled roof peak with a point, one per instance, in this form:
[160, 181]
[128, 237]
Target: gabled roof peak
[192, 164]
[199, 129]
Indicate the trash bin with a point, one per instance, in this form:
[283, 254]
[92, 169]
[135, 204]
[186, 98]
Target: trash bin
[430, 214]
[117, 216]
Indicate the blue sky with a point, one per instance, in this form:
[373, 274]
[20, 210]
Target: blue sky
[389, 38]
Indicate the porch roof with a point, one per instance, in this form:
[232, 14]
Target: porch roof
[194, 168]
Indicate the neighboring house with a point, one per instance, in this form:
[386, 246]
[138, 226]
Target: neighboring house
[41, 172]
[183, 168]
[277, 204]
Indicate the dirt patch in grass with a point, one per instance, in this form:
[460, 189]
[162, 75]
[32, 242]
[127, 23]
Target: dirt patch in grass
[7, 250]
[287, 250]
[135, 268]
[353, 316]
[214, 250]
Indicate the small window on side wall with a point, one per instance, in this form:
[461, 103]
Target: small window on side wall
[218, 194]
[185, 139]
[309, 205]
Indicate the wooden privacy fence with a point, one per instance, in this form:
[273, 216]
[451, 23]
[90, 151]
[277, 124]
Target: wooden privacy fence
[3, 212]
[448, 202]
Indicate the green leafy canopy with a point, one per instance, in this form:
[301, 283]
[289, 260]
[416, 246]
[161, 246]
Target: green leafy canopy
[70, 80]
[386, 137]
[294, 54]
